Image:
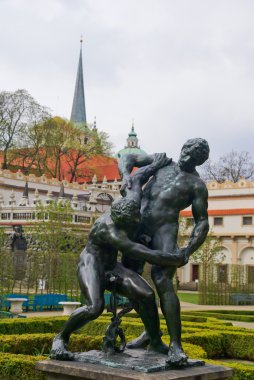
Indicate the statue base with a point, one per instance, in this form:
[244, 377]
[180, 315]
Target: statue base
[130, 365]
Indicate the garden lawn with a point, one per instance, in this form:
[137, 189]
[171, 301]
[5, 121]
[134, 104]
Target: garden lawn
[188, 297]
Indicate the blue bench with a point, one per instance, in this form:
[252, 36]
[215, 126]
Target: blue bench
[37, 302]
[242, 299]
[48, 301]
[121, 301]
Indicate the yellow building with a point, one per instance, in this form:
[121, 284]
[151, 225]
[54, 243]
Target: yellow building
[231, 219]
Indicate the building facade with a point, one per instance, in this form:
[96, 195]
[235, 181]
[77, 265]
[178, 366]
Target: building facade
[231, 219]
[20, 196]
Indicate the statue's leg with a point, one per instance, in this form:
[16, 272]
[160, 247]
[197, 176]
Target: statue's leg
[137, 290]
[91, 279]
[170, 307]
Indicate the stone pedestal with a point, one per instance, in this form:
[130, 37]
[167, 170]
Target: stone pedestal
[16, 305]
[133, 365]
[69, 307]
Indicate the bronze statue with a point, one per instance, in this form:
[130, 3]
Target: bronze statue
[117, 230]
[150, 215]
[173, 188]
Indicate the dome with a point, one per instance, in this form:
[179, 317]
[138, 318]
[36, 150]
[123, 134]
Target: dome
[124, 151]
[132, 146]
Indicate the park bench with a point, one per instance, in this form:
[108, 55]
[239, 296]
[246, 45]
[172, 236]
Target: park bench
[37, 302]
[121, 301]
[242, 299]
[48, 301]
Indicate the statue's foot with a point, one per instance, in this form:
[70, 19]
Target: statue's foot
[176, 356]
[160, 348]
[141, 342]
[59, 351]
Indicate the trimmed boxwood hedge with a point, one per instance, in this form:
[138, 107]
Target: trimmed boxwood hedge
[31, 325]
[33, 336]
[241, 371]
[231, 344]
[13, 367]
[230, 316]
[32, 344]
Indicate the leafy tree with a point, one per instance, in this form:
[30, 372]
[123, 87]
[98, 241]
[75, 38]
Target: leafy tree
[58, 148]
[55, 246]
[232, 166]
[7, 264]
[85, 143]
[208, 255]
[18, 112]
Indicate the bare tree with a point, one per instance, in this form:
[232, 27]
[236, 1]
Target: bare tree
[232, 166]
[18, 111]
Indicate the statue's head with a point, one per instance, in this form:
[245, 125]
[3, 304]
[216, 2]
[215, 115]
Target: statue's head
[194, 153]
[125, 212]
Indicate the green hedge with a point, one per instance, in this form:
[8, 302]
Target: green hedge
[31, 325]
[241, 371]
[230, 316]
[13, 367]
[184, 317]
[33, 336]
[229, 344]
[236, 312]
[98, 327]
[40, 344]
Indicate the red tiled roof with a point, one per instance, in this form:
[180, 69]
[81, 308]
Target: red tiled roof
[99, 165]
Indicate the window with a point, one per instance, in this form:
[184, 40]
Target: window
[195, 268]
[218, 221]
[247, 220]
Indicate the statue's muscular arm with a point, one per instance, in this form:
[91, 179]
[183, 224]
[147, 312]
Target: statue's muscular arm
[120, 240]
[200, 215]
[129, 161]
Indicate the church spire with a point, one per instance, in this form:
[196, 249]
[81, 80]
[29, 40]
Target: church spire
[78, 113]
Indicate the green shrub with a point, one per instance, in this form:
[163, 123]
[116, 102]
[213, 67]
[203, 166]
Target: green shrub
[34, 344]
[239, 345]
[194, 352]
[31, 325]
[40, 344]
[184, 317]
[227, 315]
[211, 342]
[231, 344]
[241, 371]
[13, 367]
[241, 312]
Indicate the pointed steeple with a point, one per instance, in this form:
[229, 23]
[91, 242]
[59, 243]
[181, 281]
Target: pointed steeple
[78, 113]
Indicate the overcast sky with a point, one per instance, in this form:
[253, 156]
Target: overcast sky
[180, 68]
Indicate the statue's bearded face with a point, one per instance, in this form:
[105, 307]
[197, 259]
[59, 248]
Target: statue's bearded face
[194, 153]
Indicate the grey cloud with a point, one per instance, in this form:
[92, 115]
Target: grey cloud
[181, 69]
